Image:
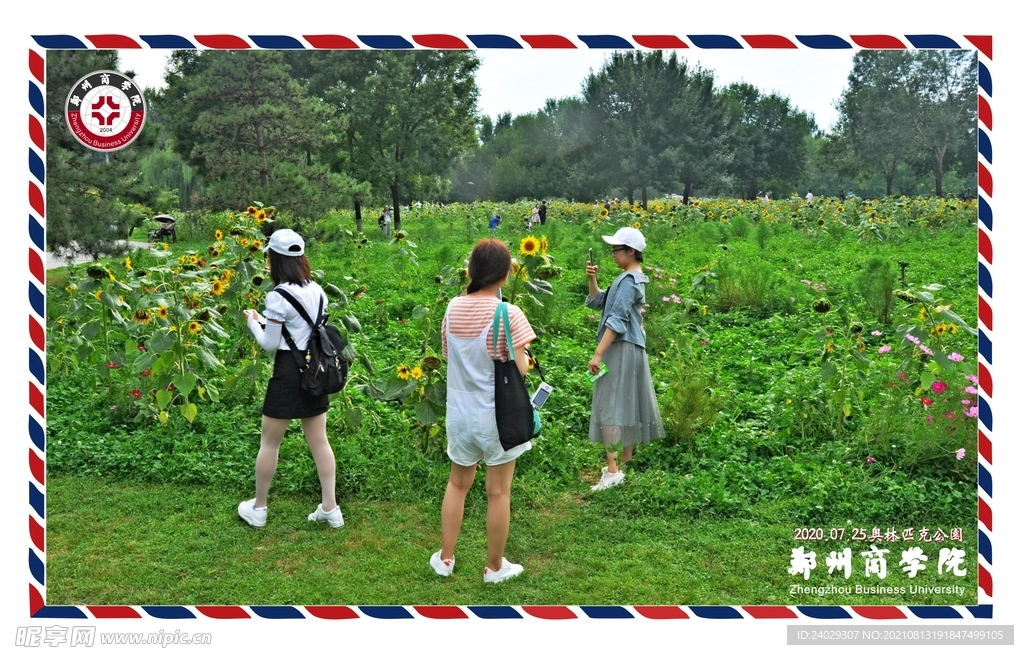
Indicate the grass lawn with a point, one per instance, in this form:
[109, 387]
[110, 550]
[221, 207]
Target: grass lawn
[117, 543]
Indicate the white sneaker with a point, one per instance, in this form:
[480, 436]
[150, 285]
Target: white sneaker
[442, 566]
[332, 518]
[254, 516]
[507, 570]
[609, 480]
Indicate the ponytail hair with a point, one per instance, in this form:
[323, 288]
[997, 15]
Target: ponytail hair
[489, 263]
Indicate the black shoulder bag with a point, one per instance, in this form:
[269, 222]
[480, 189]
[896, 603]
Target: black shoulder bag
[518, 420]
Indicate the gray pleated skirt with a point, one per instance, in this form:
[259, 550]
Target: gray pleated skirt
[625, 409]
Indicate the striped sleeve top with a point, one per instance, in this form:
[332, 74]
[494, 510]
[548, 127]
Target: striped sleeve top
[468, 315]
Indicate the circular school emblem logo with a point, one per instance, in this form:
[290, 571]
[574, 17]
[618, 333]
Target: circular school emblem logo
[105, 111]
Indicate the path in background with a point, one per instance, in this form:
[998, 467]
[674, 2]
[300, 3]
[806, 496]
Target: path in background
[53, 261]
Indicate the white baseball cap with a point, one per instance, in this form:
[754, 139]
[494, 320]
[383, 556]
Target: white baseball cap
[286, 242]
[629, 237]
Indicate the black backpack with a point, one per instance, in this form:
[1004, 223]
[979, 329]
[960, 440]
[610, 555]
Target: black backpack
[324, 369]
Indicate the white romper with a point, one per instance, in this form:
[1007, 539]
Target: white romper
[471, 426]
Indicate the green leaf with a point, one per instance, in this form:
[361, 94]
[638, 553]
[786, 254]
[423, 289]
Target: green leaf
[847, 409]
[110, 300]
[927, 377]
[365, 361]
[437, 393]
[354, 418]
[925, 296]
[397, 389]
[334, 292]
[425, 413]
[91, 330]
[189, 411]
[161, 341]
[795, 357]
[933, 287]
[213, 393]
[419, 312]
[952, 316]
[828, 370]
[351, 323]
[164, 362]
[144, 362]
[181, 312]
[164, 398]
[230, 381]
[214, 328]
[207, 359]
[184, 383]
[372, 391]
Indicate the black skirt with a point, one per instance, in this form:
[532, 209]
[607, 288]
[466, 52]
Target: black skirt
[285, 397]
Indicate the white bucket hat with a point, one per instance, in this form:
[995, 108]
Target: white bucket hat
[629, 237]
[286, 242]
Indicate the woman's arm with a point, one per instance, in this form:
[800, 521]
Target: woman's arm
[269, 338]
[606, 340]
[522, 361]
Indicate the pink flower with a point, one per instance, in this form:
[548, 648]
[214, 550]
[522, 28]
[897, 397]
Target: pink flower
[885, 349]
[971, 412]
[113, 407]
[925, 349]
[901, 375]
[703, 342]
[930, 419]
[950, 415]
[145, 373]
[876, 333]
[960, 454]
[676, 299]
[972, 378]
[664, 299]
[871, 460]
[142, 346]
[927, 402]
[955, 357]
[966, 402]
[912, 339]
[971, 390]
[672, 280]
[136, 393]
[643, 309]
[938, 386]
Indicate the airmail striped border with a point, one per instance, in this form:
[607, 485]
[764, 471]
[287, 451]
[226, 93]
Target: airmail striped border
[37, 317]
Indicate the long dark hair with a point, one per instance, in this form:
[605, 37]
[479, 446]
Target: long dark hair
[489, 263]
[286, 268]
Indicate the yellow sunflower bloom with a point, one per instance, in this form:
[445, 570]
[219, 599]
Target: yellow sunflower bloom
[218, 235]
[194, 327]
[166, 245]
[217, 287]
[127, 263]
[403, 372]
[261, 216]
[162, 312]
[142, 316]
[193, 260]
[602, 213]
[544, 245]
[98, 294]
[250, 210]
[416, 373]
[529, 246]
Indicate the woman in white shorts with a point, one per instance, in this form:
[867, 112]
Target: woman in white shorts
[467, 344]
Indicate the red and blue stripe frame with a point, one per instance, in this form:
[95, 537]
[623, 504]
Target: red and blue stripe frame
[37, 318]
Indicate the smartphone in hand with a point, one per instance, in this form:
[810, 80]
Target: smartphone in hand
[590, 260]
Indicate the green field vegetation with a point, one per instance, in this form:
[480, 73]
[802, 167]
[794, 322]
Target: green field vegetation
[806, 378]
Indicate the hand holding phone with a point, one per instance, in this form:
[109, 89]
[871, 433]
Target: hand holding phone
[590, 259]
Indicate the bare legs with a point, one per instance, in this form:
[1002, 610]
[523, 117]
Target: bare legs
[499, 487]
[315, 429]
[627, 454]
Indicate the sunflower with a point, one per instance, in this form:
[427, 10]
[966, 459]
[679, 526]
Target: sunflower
[142, 316]
[250, 210]
[98, 294]
[261, 216]
[637, 225]
[529, 246]
[218, 235]
[194, 327]
[544, 245]
[71, 288]
[217, 287]
[244, 243]
[127, 263]
[161, 312]
[416, 373]
[192, 259]
[519, 271]
[399, 235]
[166, 245]
[602, 213]
[403, 372]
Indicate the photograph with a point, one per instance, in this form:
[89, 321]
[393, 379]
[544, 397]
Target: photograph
[659, 319]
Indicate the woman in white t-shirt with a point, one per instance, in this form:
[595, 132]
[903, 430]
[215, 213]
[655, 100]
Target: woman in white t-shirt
[285, 400]
[467, 343]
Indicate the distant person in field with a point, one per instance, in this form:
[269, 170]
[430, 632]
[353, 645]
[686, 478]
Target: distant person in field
[285, 399]
[543, 212]
[494, 223]
[809, 197]
[467, 343]
[625, 410]
[385, 220]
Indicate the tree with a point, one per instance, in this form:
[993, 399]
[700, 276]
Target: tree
[767, 138]
[251, 131]
[94, 199]
[408, 114]
[911, 107]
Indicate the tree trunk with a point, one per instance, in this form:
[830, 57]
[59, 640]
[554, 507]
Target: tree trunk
[643, 196]
[629, 193]
[394, 206]
[686, 193]
[888, 183]
[261, 149]
[939, 155]
[752, 189]
[359, 216]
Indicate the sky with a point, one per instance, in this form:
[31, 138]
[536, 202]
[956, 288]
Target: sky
[521, 82]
